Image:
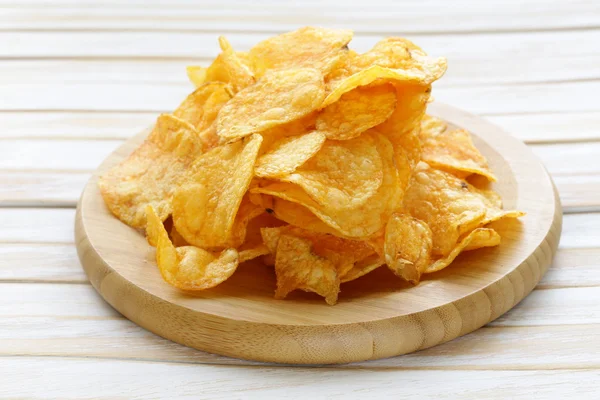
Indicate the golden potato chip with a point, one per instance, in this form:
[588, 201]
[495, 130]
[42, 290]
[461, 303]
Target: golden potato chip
[196, 74]
[246, 212]
[239, 75]
[454, 151]
[342, 174]
[287, 154]
[204, 208]
[407, 246]
[480, 237]
[306, 47]
[201, 107]
[297, 215]
[357, 222]
[176, 238]
[188, 267]
[451, 207]
[297, 267]
[432, 126]
[356, 111]
[279, 97]
[362, 268]
[152, 172]
[253, 245]
[343, 253]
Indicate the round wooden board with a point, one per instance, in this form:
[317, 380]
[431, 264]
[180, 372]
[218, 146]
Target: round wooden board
[377, 316]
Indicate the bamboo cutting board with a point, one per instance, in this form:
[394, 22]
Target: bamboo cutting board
[377, 316]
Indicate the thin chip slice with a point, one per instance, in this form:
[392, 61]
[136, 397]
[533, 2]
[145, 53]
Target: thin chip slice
[450, 206]
[342, 174]
[176, 238]
[239, 75]
[188, 267]
[196, 74]
[279, 97]
[246, 212]
[362, 267]
[204, 209]
[392, 59]
[432, 126]
[358, 222]
[480, 237]
[298, 215]
[357, 111]
[454, 151]
[253, 245]
[297, 267]
[201, 107]
[288, 154]
[152, 172]
[306, 47]
[343, 253]
[407, 246]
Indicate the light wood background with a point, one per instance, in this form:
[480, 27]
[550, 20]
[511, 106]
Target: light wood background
[77, 77]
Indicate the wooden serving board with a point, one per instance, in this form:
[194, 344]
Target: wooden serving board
[377, 316]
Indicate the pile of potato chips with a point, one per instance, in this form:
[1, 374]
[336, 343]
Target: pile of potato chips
[312, 156]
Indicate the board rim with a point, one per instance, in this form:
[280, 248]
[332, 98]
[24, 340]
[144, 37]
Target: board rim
[305, 336]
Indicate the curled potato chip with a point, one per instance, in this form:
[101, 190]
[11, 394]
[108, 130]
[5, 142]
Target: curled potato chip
[356, 222]
[201, 107]
[343, 253]
[176, 238]
[152, 172]
[188, 267]
[431, 127]
[454, 151]
[196, 74]
[297, 267]
[450, 206]
[362, 268]
[279, 97]
[318, 48]
[392, 59]
[356, 111]
[478, 238]
[246, 212]
[298, 215]
[407, 246]
[205, 207]
[287, 154]
[342, 174]
[239, 75]
[253, 245]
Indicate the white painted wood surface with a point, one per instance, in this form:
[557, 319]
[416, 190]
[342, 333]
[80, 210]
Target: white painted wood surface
[79, 77]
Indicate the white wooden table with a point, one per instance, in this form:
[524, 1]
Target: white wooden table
[79, 77]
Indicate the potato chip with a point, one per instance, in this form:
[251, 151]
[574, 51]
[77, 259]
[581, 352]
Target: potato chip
[204, 209]
[176, 238]
[432, 126]
[480, 237]
[246, 212]
[392, 59]
[201, 107]
[196, 74]
[342, 174]
[454, 151]
[297, 267]
[188, 267]
[279, 97]
[450, 206]
[357, 222]
[298, 215]
[357, 111]
[407, 246]
[152, 172]
[239, 75]
[253, 245]
[306, 47]
[362, 267]
[343, 253]
[287, 154]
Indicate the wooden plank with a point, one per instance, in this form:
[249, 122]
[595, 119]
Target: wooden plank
[473, 59]
[37, 225]
[69, 378]
[531, 128]
[41, 189]
[147, 97]
[573, 267]
[272, 16]
[580, 231]
[40, 263]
